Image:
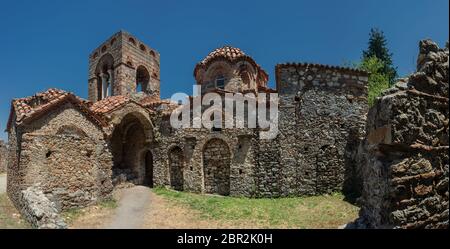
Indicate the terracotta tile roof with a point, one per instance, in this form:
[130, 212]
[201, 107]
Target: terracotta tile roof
[150, 100]
[227, 52]
[230, 54]
[115, 102]
[29, 105]
[29, 108]
[109, 104]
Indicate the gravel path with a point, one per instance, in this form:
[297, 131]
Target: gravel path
[2, 183]
[133, 203]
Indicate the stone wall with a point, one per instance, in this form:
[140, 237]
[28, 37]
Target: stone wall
[65, 154]
[194, 143]
[322, 116]
[406, 175]
[39, 210]
[3, 157]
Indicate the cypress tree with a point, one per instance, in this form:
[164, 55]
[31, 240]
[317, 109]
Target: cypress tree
[378, 48]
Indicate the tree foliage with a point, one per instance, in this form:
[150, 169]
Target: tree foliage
[378, 48]
[378, 80]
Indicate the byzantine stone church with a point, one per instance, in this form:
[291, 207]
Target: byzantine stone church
[78, 150]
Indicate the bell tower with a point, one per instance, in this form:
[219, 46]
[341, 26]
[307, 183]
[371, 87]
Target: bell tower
[123, 65]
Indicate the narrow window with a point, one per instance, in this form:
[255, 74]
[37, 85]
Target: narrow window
[220, 82]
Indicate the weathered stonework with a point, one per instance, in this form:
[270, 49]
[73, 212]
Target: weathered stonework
[76, 151]
[3, 157]
[126, 65]
[322, 118]
[39, 210]
[406, 175]
[63, 152]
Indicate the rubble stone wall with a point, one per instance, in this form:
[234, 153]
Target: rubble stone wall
[406, 175]
[322, 118]
[39, 211]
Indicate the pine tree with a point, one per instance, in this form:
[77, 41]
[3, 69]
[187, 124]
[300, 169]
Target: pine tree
[378, 48]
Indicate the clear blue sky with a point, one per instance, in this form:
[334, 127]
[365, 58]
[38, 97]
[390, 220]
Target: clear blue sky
[46, 43]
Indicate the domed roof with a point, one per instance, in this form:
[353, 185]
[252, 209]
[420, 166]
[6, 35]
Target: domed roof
[230, 54]
[226, 52]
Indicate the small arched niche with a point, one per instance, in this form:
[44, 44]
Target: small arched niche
[71, 130]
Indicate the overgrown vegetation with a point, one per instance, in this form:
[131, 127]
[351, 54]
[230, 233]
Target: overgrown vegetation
[9, 216]
[378, 81]
[377, 61]
[328, 211]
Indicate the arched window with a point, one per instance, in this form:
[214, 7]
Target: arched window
[142, 79]
[142, 47]
[105, 76]
[132, 41]
[245, 78]
[245, 75]
[220, 81]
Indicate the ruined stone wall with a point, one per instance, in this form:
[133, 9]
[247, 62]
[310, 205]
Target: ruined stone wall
[406, 175]
[66, 155]
[39, 211]
[3, 157]
[321, 120]
[193, 142]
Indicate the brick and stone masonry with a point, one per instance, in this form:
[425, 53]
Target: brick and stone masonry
[72, 152]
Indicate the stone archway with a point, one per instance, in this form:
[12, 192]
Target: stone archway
[176, 164]
[216, 167]
[127, 142]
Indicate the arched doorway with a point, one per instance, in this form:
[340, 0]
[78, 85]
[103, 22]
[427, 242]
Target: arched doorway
[216, 167]
[176, 163]
[127, 143]
[148, 162]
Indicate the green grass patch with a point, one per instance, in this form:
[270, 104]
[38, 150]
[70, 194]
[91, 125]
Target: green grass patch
[327, 211]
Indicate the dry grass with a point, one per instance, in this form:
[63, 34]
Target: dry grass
[9, 216]
[92, 217]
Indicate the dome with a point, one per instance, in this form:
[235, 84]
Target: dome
[226, 52]
[232, 55]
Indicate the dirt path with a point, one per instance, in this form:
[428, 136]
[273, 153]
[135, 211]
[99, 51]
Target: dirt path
[133, 203]
[2, 183]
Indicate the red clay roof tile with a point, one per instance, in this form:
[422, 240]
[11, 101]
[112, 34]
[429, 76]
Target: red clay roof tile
[109, 104]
